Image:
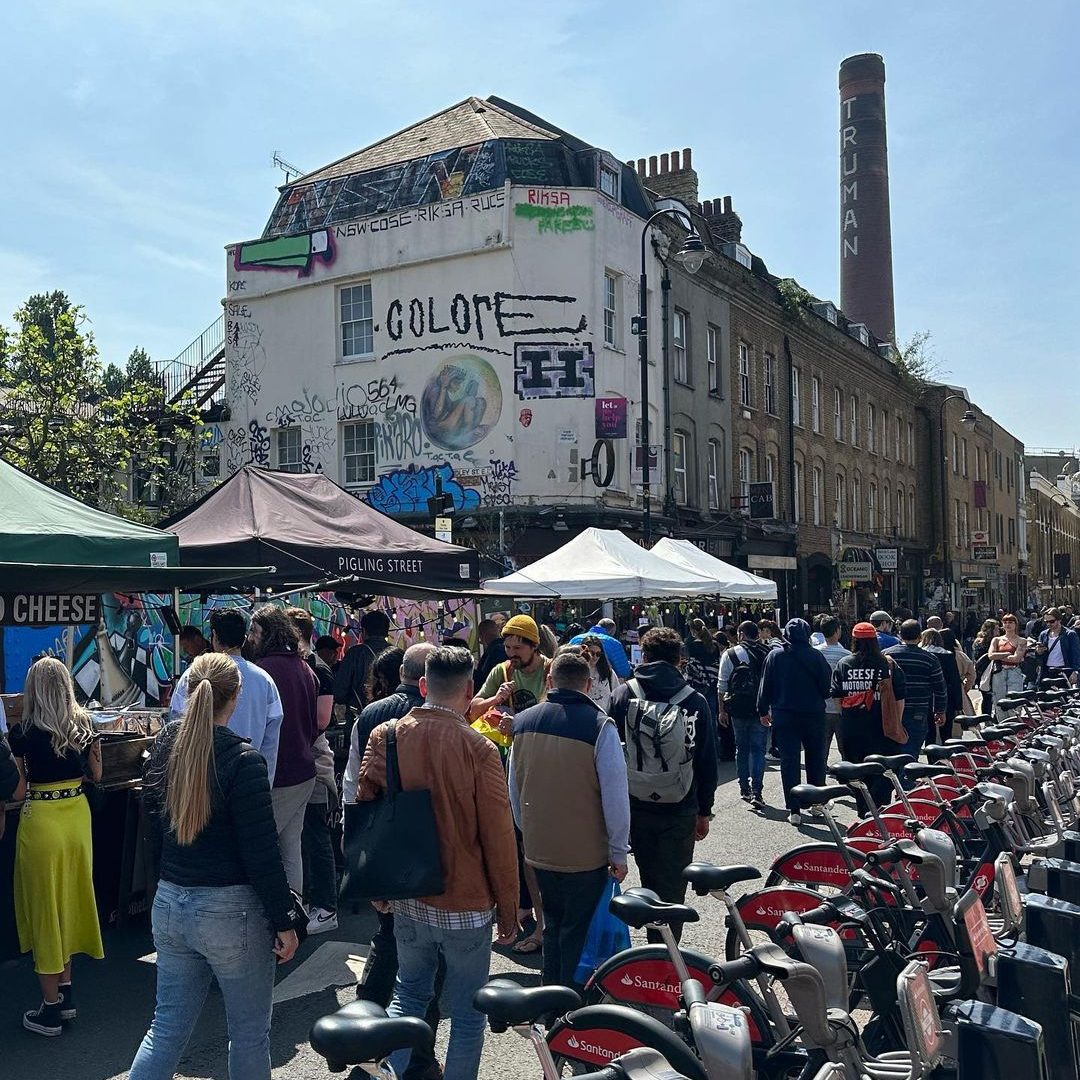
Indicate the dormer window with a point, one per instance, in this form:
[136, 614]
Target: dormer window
[859, 331]
[609, 175]
[826, 310]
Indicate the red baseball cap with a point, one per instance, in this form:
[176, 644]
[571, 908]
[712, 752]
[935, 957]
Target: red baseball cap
[863, 630]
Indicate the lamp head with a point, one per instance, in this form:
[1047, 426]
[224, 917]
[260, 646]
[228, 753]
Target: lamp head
[692, 253]
[969, 419]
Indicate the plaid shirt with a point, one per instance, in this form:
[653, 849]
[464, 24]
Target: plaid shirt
[444, 920]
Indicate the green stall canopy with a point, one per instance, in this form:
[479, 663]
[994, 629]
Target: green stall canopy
[39, 525]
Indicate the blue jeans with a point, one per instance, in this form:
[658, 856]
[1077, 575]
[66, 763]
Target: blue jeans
[467, 955]
[916, 724]
[751, 738]
[198, 933]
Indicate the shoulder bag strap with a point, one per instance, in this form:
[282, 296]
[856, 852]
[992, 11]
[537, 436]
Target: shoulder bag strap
[393, 774]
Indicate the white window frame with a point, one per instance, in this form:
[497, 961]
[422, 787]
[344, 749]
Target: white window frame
[840, 498]
[769, 368]
[900, 516]
[770, 468]
[714, 462]
[838, 414]
[712, 357]
[612, 287]
[871, 434]
[853, 435]
[366, 323]
[898, 447]
[746, 465]
[289, 449]
[885, 433]
[680, 332]
[679, 486]
[359, 449]
[856, 502]
[911, 512]
[614, 178]
[886, 505]
[815, 405]
[796, 396]
[911, 442]
[871, 507]
[800, 480]
[955, 454]
[817, 482]
[746, 386]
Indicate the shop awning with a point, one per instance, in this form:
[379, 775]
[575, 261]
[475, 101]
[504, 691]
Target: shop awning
[732, 582]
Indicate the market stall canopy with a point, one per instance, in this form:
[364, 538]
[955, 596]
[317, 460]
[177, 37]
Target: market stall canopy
[311, 530]
[43, 526]
[601, 564]
[53, 544]
[731, 581]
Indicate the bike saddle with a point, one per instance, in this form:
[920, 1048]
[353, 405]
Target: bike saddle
[642, 907]
[965, 743]
[846, 771]
[996, 732]
[1006, 704]
[968, 722]
[892, 762]
[362, 1032]
[935, 752]
[506, 1004]
[706, 878]
[1032, 754]
[806, 795]
[916, 770]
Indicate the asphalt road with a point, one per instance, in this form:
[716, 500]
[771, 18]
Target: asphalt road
[116, 995]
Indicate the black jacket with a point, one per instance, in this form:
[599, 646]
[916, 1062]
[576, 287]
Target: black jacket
[403, 700]
[9, 773]
[239, 844]
[796, 678]
[350, 676]
[661, 681]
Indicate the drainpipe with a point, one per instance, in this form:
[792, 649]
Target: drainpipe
[665, 293]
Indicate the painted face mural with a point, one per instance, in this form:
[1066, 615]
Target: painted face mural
[525, 417]
[461, 403]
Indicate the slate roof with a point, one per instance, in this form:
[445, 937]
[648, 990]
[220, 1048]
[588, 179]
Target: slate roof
[470, 121]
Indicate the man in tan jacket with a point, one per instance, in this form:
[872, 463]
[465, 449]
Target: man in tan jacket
[439, 752]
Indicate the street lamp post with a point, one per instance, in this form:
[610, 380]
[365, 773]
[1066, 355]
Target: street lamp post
[691, 254]
[968, 420]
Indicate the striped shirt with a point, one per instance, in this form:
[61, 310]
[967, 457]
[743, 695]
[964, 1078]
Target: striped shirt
[925, 689]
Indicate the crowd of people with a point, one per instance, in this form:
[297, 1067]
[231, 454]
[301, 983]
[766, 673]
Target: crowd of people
[549, 765]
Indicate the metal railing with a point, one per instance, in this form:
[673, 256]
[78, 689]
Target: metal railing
[184, 369]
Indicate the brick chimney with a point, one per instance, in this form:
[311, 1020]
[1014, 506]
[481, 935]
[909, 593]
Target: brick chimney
[724, 224]
[672, 177]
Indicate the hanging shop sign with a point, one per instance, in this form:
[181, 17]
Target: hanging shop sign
[49, 609]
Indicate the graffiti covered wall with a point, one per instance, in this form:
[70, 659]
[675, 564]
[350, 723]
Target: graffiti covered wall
[454, 346]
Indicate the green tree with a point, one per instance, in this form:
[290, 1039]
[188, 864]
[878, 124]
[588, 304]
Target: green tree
[96, 433]
[917, 362]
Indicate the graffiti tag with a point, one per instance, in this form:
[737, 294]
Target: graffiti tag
[554, 371]
[406, 491]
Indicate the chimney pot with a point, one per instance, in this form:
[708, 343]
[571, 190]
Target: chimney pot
[652, 165]
[674, 160]
[665, 163]
[686, 158]
[641, 166]
[727, 204]
[706, 208]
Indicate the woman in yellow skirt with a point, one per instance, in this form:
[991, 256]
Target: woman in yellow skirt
[55, 909]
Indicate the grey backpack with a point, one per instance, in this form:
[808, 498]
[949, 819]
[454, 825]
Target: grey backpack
[659, 746]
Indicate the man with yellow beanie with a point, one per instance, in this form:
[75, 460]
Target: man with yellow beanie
[521, 681]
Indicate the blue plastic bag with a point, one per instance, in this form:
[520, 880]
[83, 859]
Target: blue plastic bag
[607, 936]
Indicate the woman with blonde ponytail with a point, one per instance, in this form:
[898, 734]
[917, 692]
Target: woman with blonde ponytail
[55, 911]
[223, 907]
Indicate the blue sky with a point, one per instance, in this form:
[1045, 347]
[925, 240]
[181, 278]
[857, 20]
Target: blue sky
[137, 142]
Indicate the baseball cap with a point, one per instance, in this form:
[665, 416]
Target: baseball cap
[522, 626]
[863, 630]
[879, 617]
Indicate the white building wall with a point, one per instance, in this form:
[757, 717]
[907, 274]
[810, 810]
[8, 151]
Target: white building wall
[488, 356]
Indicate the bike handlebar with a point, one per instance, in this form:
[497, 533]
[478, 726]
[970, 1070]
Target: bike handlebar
[609, 1072]
[745, 967]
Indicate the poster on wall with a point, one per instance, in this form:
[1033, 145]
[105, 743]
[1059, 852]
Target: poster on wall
[611, 418]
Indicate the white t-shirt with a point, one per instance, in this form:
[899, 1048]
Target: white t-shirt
[258, 712]
[834, 653]
[3, 716]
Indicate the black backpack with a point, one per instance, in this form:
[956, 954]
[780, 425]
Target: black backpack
[740, 699]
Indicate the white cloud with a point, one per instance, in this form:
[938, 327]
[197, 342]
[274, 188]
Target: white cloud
[181, 262]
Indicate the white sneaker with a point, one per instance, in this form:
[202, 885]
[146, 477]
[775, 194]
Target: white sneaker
[794, 818]
[321, 921]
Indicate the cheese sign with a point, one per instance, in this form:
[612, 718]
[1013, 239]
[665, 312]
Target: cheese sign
[49, 609]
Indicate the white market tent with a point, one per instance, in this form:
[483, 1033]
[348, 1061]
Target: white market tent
[731, 582]
[601, 564]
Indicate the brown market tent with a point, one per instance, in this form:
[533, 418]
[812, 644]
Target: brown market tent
[311, 530]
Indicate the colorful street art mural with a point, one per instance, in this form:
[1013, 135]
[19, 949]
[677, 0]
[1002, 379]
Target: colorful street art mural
[297, 253]
[461, 403]
[128, 658]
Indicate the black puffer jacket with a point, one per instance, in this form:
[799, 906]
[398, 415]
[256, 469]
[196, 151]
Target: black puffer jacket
[239, 844]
